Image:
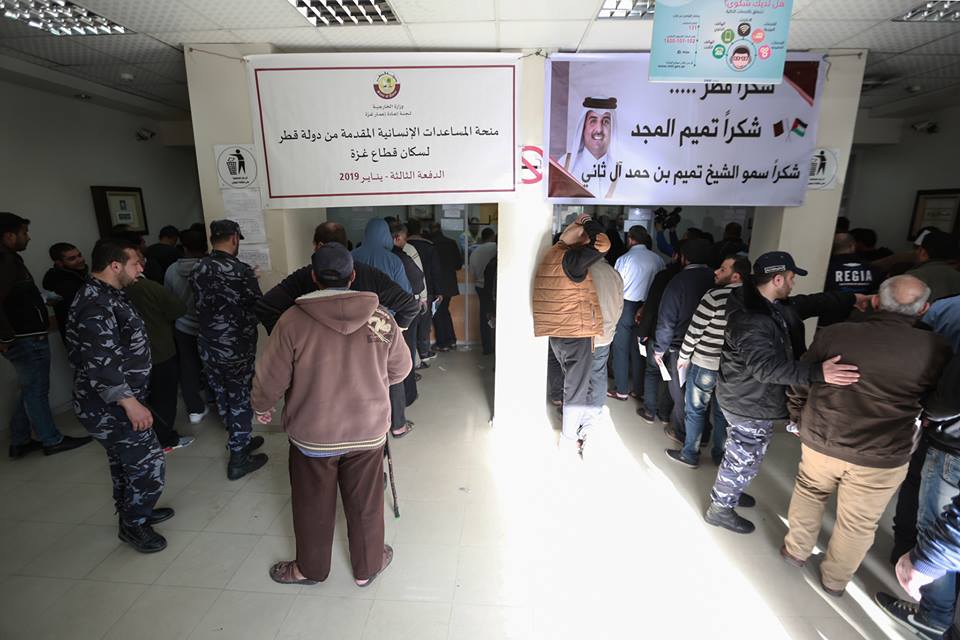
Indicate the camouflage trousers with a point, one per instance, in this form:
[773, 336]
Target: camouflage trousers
[747, 442]
[230, 383]
[137, 464]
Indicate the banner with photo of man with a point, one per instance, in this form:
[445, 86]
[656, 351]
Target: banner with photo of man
[615, 137]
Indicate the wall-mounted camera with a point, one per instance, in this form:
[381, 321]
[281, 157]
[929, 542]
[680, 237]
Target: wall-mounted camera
[925, 126]
[143, 134]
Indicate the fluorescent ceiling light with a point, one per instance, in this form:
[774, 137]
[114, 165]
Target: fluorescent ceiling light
[335, 13]
[940, 11]
[628, 9]
[59, 17]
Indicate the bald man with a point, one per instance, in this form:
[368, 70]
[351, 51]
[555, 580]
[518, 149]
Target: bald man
[857, 440]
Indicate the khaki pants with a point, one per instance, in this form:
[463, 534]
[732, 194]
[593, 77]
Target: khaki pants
[862, 496]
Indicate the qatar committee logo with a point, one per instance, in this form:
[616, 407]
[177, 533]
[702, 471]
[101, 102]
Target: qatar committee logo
[387, 86]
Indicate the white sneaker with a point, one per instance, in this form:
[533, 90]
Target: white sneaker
[196, 418]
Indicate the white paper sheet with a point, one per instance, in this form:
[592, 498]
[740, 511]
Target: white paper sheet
[451, 224]
[643, 347]
[255, 255]
[243, 206]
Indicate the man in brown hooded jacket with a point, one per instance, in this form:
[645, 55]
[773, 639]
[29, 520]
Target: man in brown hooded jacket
[333, 357]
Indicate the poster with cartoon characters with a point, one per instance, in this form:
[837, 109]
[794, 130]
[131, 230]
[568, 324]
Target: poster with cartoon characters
[720, 40]
[614, 137]
[401, 128]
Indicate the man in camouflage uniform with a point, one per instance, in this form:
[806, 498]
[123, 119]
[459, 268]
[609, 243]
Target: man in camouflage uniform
[226, 291]
[108, 347]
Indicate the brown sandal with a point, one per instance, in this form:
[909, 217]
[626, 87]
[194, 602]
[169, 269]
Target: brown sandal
[285, 573]
[387, 559]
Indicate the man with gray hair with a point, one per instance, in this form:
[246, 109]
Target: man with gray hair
[857, 440]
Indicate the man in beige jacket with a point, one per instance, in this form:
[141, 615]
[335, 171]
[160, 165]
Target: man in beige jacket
[333, 357]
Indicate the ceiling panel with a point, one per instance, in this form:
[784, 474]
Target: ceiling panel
[414, 11]
[820, 34]
[178, 38]
[171, 93]
[911, 65]
[949, 44]
[287, 39]
[876, 57]
[467, 35]
[16, 29]
[899, 36]
[147, 16]
[868, 101]
[134, 47]
[949, 71]
[800, 5]
[171, 71]
[60, 50]
[877, 10]
[109, 74]
[547, 9]
[26, 57]
[372, 38]
[248, 14]
[619, 35]
[526, 35]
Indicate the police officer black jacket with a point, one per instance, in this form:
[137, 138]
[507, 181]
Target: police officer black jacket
[762, 347]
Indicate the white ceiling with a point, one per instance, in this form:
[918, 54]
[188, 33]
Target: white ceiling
[910, 65]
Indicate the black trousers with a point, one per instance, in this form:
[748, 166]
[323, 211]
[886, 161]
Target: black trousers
[554, 376]
[908, 504]
[423, 333]
[443, 324]
[164, 380]
[670, 359]
[486, 331]
[191, 371]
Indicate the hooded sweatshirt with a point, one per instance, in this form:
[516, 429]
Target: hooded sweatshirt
[177, 281]
[333, 357]
[377, 251]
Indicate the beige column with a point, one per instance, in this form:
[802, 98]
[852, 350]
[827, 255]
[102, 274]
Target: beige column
[524, 234]
[220, 108]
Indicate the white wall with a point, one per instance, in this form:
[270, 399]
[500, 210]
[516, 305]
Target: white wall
[886, 178]
[52, 151]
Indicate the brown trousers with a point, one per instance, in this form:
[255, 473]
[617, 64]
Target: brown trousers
[862, 495]
[313, 483]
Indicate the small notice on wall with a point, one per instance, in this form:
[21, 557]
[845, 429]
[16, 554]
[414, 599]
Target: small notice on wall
[236, 166]
[243, 207]
[255, 255]
[823, 169]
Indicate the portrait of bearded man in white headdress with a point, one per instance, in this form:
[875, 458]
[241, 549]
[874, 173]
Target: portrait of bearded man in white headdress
[590, 157]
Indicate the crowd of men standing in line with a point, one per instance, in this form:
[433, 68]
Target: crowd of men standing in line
[141, 324]
[714, 347]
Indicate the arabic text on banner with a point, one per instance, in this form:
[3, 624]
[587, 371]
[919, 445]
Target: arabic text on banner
[616, 138]
[720, 40]
[367, 129]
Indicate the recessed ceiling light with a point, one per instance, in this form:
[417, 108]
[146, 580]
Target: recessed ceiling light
[59, 17]
[81, 96]
[939, 11]
[336, 13]
[627, 10]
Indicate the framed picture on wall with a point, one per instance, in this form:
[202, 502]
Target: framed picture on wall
[119, 205]
[935, 208]
[420, 212]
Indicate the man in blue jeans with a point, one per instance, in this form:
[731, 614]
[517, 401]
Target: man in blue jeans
[700, 355]
[23, 342]
[938, 487]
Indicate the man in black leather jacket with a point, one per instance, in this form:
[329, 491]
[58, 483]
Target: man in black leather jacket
[761, 352]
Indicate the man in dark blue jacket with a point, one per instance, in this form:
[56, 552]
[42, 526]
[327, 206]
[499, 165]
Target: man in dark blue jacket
[680, 300]
[225, 291]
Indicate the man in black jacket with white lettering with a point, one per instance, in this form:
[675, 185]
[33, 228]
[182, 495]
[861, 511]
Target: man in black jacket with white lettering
[403, 305]
[762, 347]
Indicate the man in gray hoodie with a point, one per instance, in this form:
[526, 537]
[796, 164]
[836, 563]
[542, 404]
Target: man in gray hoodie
[186, 327]
[332, 357]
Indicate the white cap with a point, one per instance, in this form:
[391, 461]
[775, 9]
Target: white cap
[918, 242]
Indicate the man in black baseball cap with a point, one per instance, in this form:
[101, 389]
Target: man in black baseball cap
[222, 229]
[761, 358]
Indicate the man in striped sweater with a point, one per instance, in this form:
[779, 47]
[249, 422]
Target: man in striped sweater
[700, 355]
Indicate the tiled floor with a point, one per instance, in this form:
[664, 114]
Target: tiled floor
[499, 538]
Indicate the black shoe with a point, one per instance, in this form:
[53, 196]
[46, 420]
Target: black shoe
[647, 416]
[746, 500]
[728, 519]
[671, 434]
[142, 537]
[17, 451]
[429, 355]
[160, 515]
[243, 463]
[255, 443]
[417, 377]
[907, 614]
[677, 456]
[423, 364]
[68, 442]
